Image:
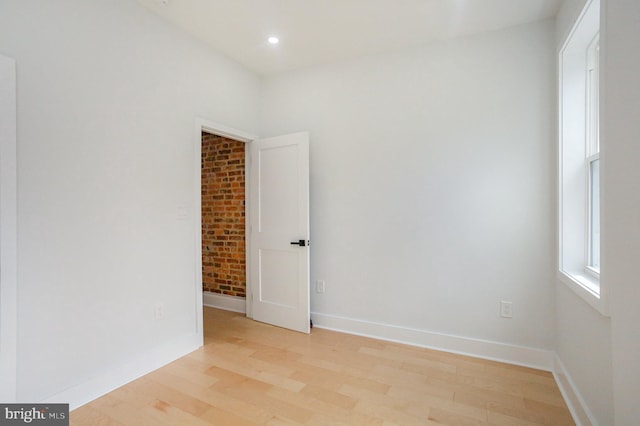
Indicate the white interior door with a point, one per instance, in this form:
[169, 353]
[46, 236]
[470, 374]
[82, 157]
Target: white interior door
[280, 231]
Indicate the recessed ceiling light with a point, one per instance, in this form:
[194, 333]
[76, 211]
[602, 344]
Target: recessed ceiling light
[273, 40]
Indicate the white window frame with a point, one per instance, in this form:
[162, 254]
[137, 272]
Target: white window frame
[578, 149]
[590, 268]
[593, 147]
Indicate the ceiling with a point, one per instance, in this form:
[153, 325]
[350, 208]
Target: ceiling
[313, 32]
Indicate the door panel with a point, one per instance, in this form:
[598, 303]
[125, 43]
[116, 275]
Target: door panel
[279, 277]
[279, 177]
[280, 200]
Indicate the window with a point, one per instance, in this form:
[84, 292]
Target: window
[579, 159]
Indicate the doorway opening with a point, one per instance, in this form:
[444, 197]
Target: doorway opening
[223, 210]
[276, 255]
[220, 280]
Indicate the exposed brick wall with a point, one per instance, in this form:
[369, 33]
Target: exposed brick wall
[223, 216]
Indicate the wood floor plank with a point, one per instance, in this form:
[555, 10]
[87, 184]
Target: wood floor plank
[171, 395]
[385, 406]
[124, 412]
[413, 359]
[217, 416]
[391, 415]
[326, 410]
[258, 396]
[91, 416]
[249, 373]
[332, 380]
[499, 419]
[425, 399]
[469, 395]
[450, 418]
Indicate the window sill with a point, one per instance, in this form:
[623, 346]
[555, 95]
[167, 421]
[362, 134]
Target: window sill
[588, 288]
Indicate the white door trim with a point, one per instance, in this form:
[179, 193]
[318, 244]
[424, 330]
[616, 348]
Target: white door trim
[8, 231]
[203, 125]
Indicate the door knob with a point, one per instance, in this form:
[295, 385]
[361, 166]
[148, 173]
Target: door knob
[301, 243]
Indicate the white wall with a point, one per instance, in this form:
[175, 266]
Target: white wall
[8, 225]
[621, 204]
[583, 335]
[107, 101]
[431, 183]
[583, 343]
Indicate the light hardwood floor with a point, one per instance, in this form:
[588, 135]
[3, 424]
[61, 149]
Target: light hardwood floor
[250, 373]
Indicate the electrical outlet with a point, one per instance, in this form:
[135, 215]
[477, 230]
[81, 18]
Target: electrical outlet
[158, 312]
[506, 309]
[320, 286]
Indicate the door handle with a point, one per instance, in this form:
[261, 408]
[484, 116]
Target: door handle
[301, 243]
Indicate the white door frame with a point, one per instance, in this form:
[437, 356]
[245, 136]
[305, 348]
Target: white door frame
[212, 127]
[8, 231]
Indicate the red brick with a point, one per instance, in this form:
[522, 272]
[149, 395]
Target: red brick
[223, 212]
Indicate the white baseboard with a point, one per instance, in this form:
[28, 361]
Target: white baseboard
[577, 406]
[222, 301]
[112, 379]
[512, 354]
